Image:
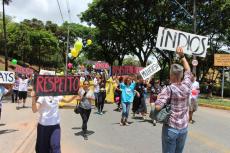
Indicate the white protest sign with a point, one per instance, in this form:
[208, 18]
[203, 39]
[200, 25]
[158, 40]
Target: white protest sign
[7, 77]
[150, 70]
[45, 72]
[192, 44]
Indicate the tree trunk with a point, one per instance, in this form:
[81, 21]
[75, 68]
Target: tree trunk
[120, 61]
[5, 40]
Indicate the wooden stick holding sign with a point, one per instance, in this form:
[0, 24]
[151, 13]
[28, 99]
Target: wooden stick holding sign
[192, 44]
[7, 77]
[51, 85]
[150, 70]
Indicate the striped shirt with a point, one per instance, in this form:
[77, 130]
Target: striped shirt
[179, 102]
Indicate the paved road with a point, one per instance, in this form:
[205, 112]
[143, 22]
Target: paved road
[17, 128]
[210, 133]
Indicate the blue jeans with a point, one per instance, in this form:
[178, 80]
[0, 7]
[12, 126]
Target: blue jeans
[173, 140]
[125, 109]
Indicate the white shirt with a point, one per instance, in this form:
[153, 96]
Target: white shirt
[3, 91]
[23, 84]
[49, 112]
[16, 85]
[85, 103]
[195, 91]
[82, 79]
[96, 85]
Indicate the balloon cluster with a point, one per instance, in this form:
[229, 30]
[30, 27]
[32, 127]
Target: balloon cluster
[76, 50]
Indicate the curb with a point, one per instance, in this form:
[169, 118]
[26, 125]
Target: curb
[215, 106]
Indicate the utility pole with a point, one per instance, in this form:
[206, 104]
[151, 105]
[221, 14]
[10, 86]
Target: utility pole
[67, 50]
[5, 40]
[222, 85]
[194, 30]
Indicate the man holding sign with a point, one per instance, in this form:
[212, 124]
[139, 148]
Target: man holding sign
[6, 78]
[174, 133]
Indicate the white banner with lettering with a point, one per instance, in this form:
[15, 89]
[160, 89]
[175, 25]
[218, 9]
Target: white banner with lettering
[7, 77]
[192, 44]
[150, 70]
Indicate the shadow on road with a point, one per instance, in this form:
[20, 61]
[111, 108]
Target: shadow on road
[2, 124]
[80, 133]
[137, 118]
[119, 123]
[76, 128]
[7, 131]
[149, 121]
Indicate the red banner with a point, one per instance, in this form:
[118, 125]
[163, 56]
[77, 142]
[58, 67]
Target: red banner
[23, 70]
[101, 65]
[124, 70]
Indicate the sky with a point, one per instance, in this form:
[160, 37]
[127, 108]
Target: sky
[46, 10]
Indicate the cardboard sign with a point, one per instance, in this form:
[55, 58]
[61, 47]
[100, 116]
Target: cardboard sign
[51, 85]
[101, 65]
[192, 44]
[7, 77]
[150, 70]
[125, 70]
[23, 70]
[222, 60]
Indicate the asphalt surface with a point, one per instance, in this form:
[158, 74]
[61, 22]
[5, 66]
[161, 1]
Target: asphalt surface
[209, 134]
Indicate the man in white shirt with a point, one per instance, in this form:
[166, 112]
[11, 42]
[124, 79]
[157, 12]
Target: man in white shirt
[195, 90]
[22, 89]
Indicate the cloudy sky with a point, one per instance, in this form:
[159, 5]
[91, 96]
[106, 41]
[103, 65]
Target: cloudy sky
[46, 9]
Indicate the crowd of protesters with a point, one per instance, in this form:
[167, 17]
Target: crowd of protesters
[125, 91]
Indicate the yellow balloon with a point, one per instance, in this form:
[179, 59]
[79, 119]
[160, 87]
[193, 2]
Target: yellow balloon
[89, 42]
[78, 45]
[74, 52]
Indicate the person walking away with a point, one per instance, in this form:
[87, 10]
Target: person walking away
[15, 90]
[193, 105]
[174, 133]
[22, 90]
[86, 98]
[101, 95]
[127, 96]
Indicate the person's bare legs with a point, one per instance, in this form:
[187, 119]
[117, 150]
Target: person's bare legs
[24, 102]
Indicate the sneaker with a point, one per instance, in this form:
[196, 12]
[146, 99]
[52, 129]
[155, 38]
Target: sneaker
[154, 122]
[121, 124]
[101, 113]
[127, 124]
